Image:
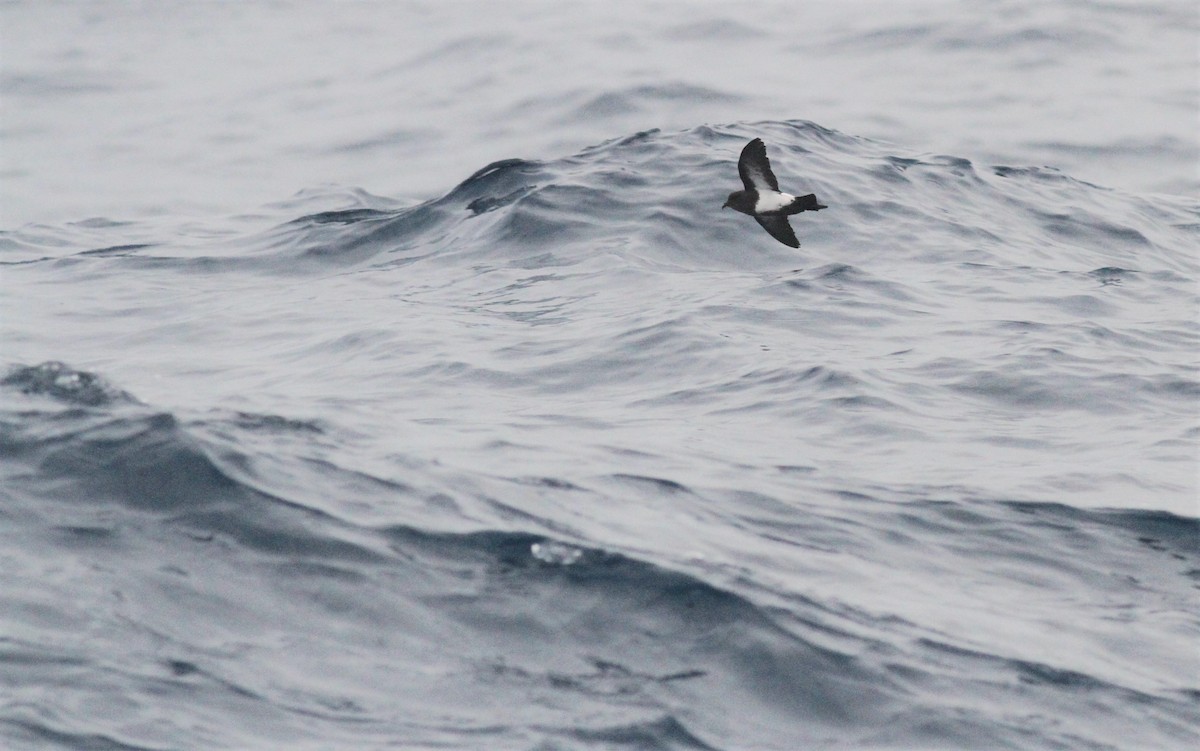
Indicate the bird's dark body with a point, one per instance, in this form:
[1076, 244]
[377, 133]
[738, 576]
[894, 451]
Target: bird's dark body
[762, 199]
[745, 200]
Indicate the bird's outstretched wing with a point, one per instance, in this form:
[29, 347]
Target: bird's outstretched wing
[779, 228]
[755, 169]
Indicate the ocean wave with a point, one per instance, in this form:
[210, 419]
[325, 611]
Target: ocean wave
[561, 619]
[658, 195]
[568, 454]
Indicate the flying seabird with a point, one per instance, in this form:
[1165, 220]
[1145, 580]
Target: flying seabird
[762, 199]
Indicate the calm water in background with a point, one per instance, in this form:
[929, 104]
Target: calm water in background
[323, 428]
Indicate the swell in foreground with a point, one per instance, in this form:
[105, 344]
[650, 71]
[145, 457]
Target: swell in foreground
[565, 458]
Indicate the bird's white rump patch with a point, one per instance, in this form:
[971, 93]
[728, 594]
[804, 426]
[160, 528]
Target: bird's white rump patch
[769, 201]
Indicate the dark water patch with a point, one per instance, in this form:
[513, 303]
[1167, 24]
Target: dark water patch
[962, 728]
[145, 460]
[1167, 276]
[816, 378]
[87, 535]
[901, 164]
[1112, 275]
[1018, 39]
[1024, 442]
[1025, 392]
[551, 483]
[622, 144]
[844, 277]
[1089, 230]
[496, 180]
[611, 679]
[1031, 672]
[1169, 717]
[491, 203]
[317, 200]
[249, 421]
[1025, 326]
[1183, 388]
[1039, 174]
[67, 82]
[1178, 533]
[798, 469]
[30, 655]
[102, 222]
[656, 483]
[933, 168]
[890, 171]
[828, 378]
[338, 245]
[550, 217]
[839, 272]
[63, 383]
[28, 261]
[36, 242]
[39, 734]
[345, 216]
[293, 534]
[893, 37]
[182, 668]
[384, 142]
[664, 733]
[1087, 306]
[119, 251]
[860, 402]
[353, 236]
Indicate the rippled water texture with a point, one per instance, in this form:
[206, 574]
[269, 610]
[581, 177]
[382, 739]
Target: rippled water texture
[193, 110]
[550, 452]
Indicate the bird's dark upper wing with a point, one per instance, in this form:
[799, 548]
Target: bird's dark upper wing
[778, 226]
[755, 169]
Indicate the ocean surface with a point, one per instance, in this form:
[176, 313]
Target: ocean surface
[387, 376]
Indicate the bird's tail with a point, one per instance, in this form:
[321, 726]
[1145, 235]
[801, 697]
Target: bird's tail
[804, 203]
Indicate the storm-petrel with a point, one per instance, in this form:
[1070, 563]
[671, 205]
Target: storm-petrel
[762, 199]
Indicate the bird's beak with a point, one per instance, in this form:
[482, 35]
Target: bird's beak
[725, 205]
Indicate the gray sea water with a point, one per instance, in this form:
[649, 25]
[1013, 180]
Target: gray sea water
[387, 376]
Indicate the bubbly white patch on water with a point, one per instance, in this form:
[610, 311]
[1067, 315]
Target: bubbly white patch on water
[555, 553]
